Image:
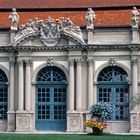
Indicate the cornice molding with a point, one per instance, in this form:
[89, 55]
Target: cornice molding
[95, 47]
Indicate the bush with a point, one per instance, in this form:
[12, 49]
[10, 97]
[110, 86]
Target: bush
[101, 110]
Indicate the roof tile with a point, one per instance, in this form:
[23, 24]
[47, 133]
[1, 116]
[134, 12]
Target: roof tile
[66, 3]
[108, 18]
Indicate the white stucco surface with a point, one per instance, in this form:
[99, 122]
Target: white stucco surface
[98, 64]
[5, 64]
[37, 63]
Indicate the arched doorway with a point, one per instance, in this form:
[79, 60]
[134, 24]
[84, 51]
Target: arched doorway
[113, 88]
[3, 96]
[51, 99]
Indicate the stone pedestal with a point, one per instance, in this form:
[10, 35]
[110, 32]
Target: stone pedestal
[11, 101]
[78, 84]
[75, 122]
[90, 82]
[24, 121]
[12, 37]
[11, 121]
[28, 84]
[20, 85]
[135, 36]
[90, 36]
[135, 122]
[3, 125]
[134, 74]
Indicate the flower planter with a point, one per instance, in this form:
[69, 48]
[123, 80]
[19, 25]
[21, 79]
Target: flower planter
[97, 131]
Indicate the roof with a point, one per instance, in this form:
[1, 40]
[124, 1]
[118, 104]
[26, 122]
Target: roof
[109, 13]
[105, 18]
[24, 4]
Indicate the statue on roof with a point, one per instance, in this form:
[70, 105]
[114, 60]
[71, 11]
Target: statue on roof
[14, 18]
[90, 16]
[135, 18]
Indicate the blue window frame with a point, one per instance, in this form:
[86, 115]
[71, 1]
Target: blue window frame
[51, 99]
[3, 95]
[113, 88]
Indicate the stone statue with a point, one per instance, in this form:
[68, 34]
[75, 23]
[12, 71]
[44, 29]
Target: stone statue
[135, 18]
[14, 18]
[90, 16]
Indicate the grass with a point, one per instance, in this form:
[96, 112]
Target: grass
[65, 137]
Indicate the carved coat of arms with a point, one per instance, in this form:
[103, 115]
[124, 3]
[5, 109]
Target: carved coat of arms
[49, 31]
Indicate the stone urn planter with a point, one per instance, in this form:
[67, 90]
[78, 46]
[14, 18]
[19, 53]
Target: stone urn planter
[97, 131]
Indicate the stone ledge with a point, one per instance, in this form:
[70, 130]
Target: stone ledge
[24, 112]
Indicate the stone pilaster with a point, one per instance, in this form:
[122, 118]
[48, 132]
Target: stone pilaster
[12, 76]
[20, 85]
[134, 61]
[11, 110]
[78, 84]
[24, 117]
[71, 86]
[135, 113]
[28, 84]
[90, 82]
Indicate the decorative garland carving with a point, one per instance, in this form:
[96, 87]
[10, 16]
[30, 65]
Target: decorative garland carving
[49, 31]
[50, 62]
[74, 122]
[112, 61]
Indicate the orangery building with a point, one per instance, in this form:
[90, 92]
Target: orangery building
[57, 58]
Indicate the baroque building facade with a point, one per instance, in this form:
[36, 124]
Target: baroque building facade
[52, 71]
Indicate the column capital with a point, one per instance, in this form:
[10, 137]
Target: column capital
[71, 61]
[90, 61]
[20, 60]
[11, 60]
[78, 60]
[134, 59]
[27, 60]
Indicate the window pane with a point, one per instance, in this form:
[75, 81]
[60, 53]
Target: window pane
[113, 88]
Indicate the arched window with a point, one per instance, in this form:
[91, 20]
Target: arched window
[52, 74]
[113, 88]
[3, 95]
[51, 99]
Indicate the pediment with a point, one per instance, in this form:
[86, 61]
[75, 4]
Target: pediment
[49, 33]
[35, 41]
